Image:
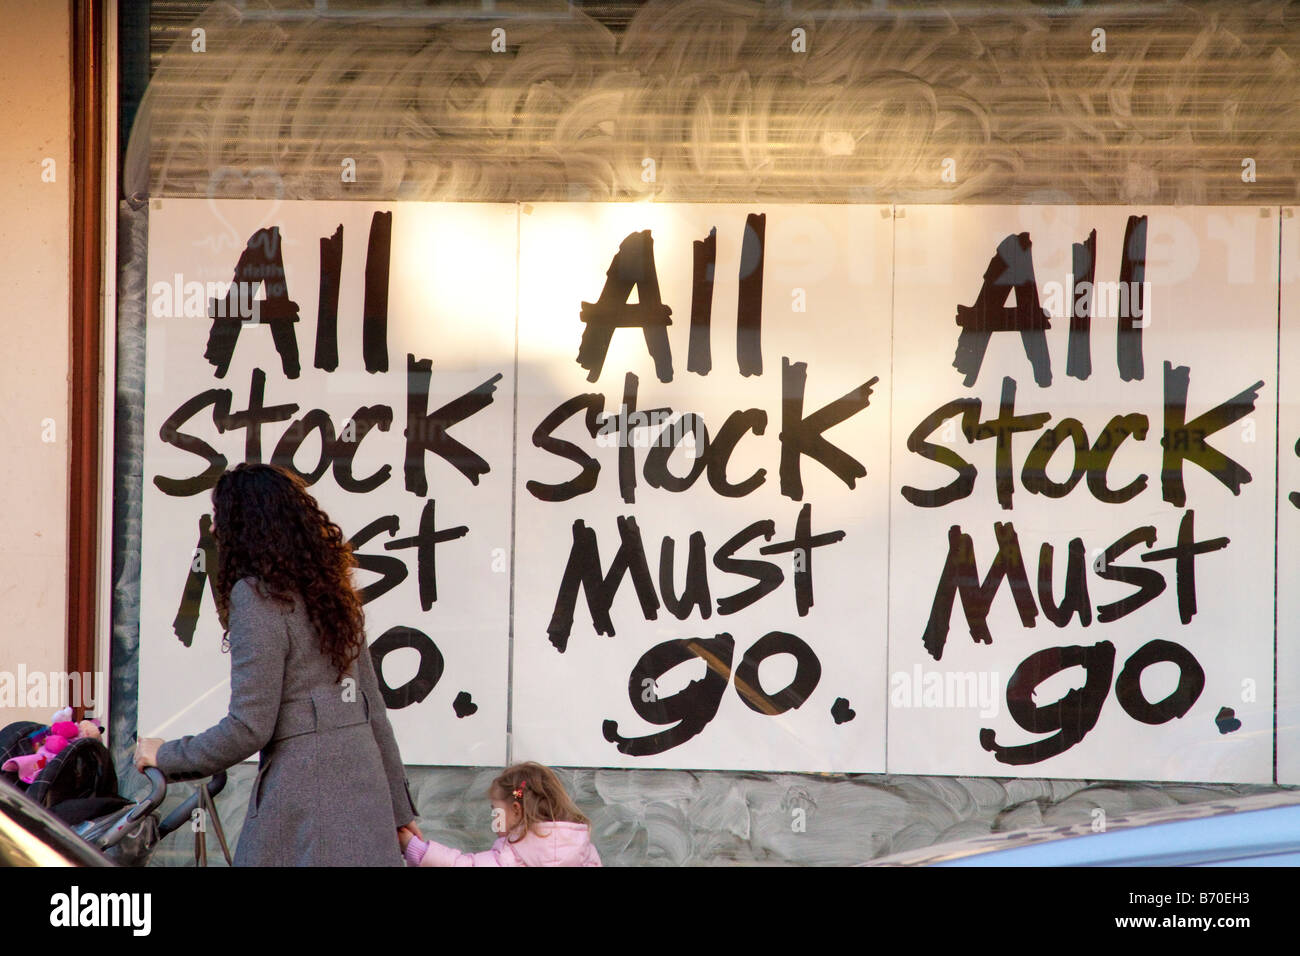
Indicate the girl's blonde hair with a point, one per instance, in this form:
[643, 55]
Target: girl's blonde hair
[540, 795]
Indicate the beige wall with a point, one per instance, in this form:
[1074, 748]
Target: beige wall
[35, 115]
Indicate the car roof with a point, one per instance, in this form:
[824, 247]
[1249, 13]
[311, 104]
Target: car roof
[1259, 828]
[32, 836]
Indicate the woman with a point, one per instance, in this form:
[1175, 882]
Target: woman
[330, 787]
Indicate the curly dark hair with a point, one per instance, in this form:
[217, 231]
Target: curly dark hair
[268, 526]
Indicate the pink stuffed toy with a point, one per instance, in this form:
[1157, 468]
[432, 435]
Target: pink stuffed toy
[27, 766]
[50, 743]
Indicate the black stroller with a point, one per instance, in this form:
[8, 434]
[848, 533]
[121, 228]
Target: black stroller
[79, 786]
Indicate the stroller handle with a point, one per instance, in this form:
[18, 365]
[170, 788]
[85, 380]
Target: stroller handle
[157, 791]
[125, 823]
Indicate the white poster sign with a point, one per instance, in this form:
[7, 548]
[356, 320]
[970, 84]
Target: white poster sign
[370, 348]
[701, 486]
[1083, 492]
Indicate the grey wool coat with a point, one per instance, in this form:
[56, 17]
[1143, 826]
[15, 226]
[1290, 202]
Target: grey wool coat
[330, 787]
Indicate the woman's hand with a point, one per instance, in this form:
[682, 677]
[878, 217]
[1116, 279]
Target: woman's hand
[146, 752]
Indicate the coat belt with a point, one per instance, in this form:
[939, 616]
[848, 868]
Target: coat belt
[324, 710]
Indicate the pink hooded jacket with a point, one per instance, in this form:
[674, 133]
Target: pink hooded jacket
[548, 844]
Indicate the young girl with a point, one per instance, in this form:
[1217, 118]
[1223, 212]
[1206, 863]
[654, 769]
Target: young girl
[541, 825]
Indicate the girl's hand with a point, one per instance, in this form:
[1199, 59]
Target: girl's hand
[146, 752]
[407, 832]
